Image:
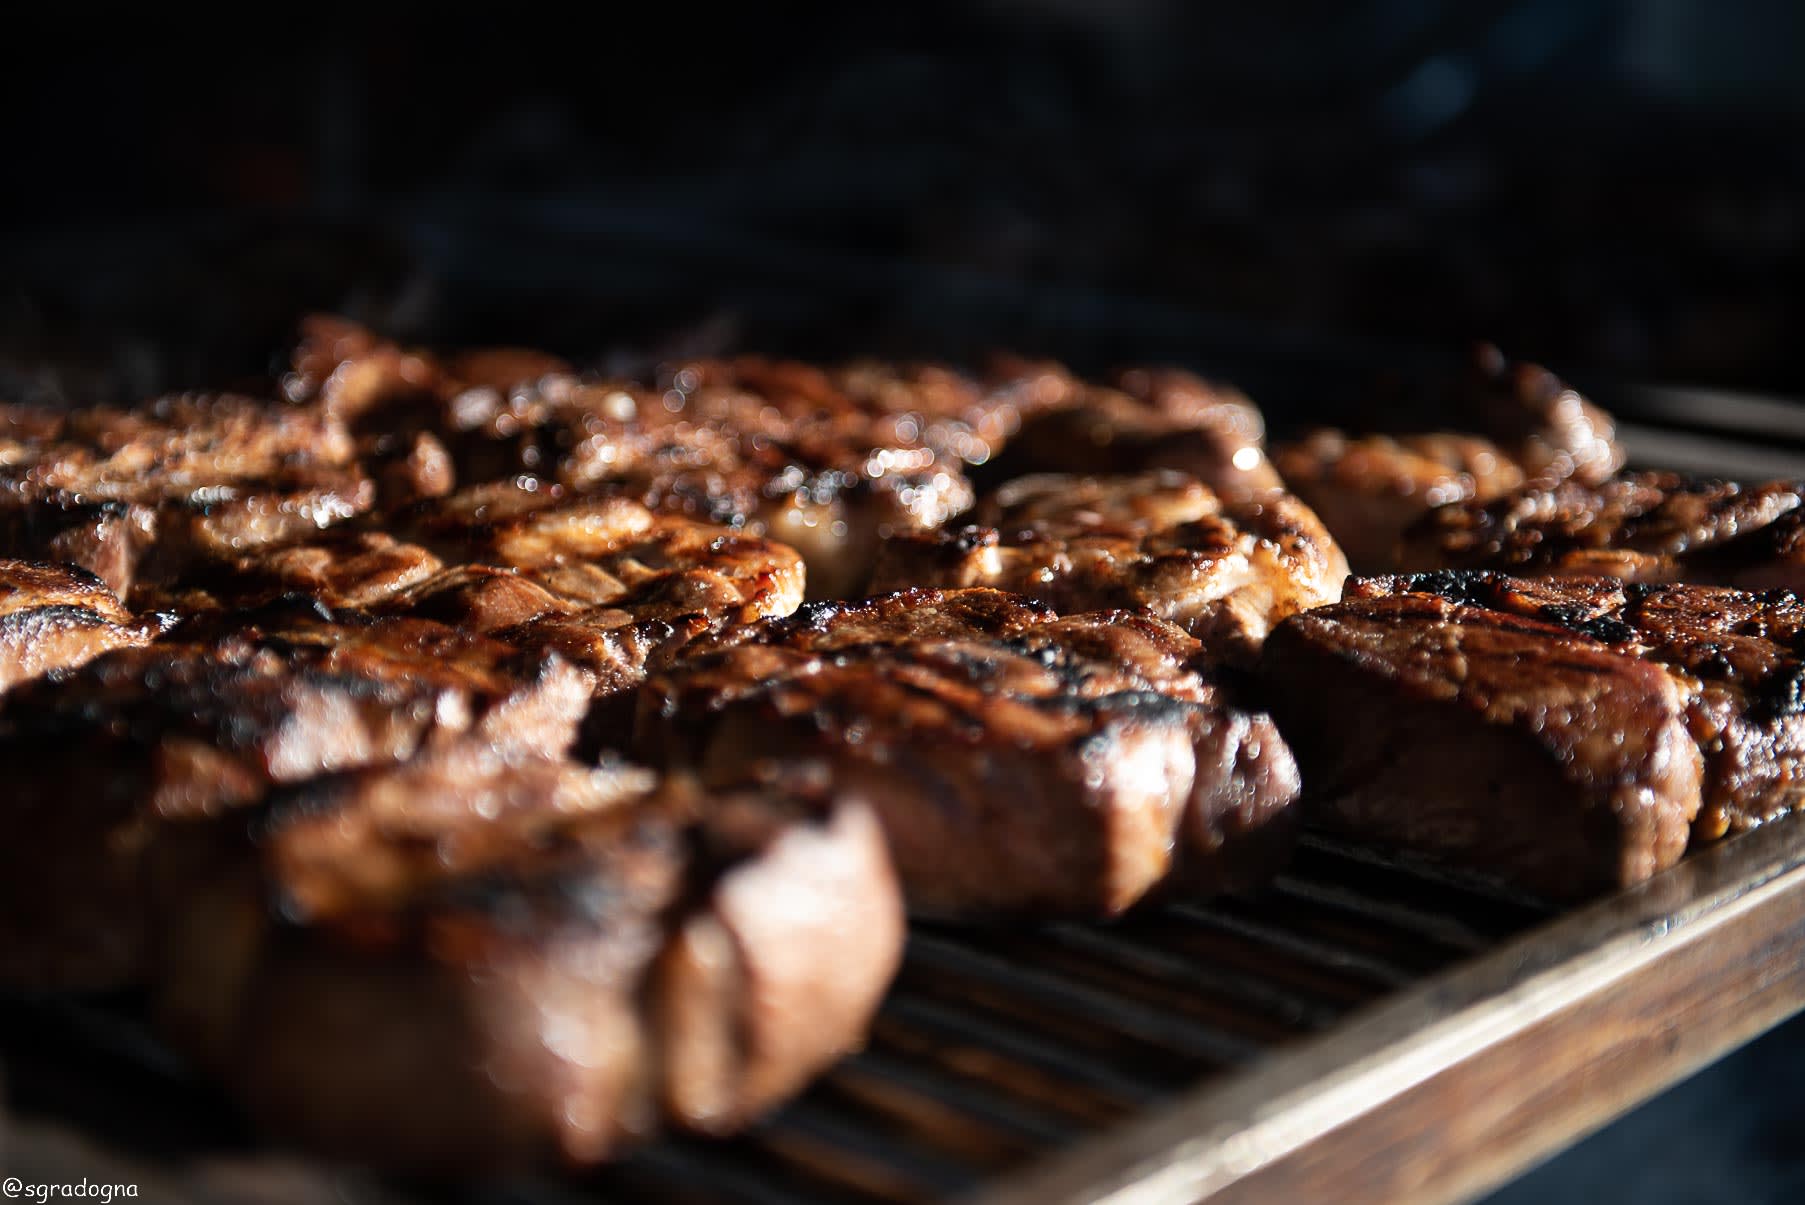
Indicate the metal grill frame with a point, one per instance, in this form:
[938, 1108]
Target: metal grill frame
[1368, 1027]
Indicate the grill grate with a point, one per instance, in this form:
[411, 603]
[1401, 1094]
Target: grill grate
[992, 1050]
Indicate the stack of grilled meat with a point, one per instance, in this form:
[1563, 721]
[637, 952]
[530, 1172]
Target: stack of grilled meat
[573, 748]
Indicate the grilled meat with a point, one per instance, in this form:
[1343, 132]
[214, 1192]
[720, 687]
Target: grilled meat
[1368, 489]
[56, 617]
[475, 961]
[1739, 657]
[1160, 543]
[827, 463]
[1153, 419]
[344, 569]
[1510, 744]
[1020, 763]
[603, 580]
[1641, 527]
[208, 721]
[141, 494]
[400, 403]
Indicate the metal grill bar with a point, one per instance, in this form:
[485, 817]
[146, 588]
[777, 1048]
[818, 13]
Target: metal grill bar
[994, 1049]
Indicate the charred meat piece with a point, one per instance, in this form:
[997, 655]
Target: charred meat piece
[56, 617]
[1641, 527]
[1160, 543]
[829, 489]
[399, 402]
[475, 961]
[1368, 489]
[961, 418]
[1739, 655]
[344, 569]
[203, 723]
[604, 580]
[1020, 763]
[826, 462]
[1429, 719]
[141, 494]
[1153, 419]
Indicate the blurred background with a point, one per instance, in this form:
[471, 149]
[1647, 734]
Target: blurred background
[1294, 196]
[1279, 192]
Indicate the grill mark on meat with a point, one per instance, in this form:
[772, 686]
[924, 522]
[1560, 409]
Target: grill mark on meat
[55, 618]
[953, 709]
[1647, 527]
[1157, 542]
[1487, 737]
[208, 721]
[1737, 655]
[1371, 489]
[606, 952]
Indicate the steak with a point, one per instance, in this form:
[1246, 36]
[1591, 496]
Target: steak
[827, 463]
[208, 721]
[475, 961]
[57, 617]
[1641, 527]
[1423, 717]
[603, 580]
[1020, 763]
[1160, 543]
[1152, 419]
[1370, 488]
[144, 493]
[1740, 657]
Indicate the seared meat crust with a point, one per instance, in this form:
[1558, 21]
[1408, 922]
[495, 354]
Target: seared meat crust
[1154, 419]
[206, 722]
[144, 493]
[1160, 543]
[1512, 744]
[1020, 763]
[1368, 489]
[56, 617]
[1739, 657]
[1641, 527]
[476, 961]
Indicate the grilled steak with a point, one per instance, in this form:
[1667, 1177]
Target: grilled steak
[602, 580]
[344, 569]
[1642, 527]
[474, 961]
[143, 493]
[825, 463]
[1154, 419]
[1523, 746]
[1160, 543]
[206, 722]
[1739, 656]
[56, 617]
[1020, 763]
[1368, 489]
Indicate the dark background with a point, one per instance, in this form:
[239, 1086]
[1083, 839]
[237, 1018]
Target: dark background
[1299, 197]
[1283, 193]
